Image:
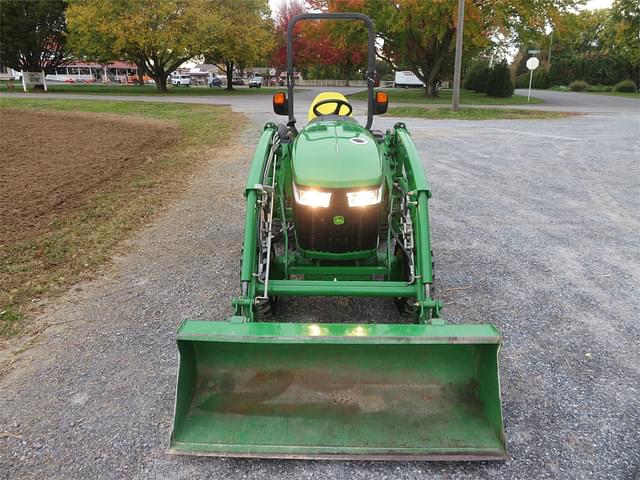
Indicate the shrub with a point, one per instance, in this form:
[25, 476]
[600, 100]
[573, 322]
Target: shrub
[522, 81]
[470, 79]
[593, 68]
[540, 79]
[599, 88]
[625, 86]
[578, 86]
[500, 84]
[477, 78]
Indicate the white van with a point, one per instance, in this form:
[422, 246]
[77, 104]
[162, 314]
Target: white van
[181, 81]
[406, 79]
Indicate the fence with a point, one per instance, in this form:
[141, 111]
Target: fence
[330, 83]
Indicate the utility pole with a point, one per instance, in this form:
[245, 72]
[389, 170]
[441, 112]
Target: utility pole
[458, 60]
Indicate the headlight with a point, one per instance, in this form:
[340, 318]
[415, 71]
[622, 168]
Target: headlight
[312, 198]
[364, 198]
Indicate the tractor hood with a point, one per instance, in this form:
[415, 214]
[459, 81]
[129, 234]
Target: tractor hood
[336, 154]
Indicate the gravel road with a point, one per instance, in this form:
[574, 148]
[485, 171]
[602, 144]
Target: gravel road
[535, 229]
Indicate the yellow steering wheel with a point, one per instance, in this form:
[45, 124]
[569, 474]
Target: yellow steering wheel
[329, 108]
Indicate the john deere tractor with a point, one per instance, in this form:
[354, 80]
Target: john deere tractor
[337, 209]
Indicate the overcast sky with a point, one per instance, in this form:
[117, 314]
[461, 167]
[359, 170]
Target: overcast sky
[595, 4]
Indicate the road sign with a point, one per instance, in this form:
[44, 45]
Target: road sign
[272, 72]
[533, 52]
[33, 78]
[532, 64]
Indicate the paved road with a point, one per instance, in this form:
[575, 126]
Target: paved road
[241, 103]
[558, 101]
[584, 102]
[535, 229]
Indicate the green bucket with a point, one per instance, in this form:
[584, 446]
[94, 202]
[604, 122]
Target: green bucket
[338, 391]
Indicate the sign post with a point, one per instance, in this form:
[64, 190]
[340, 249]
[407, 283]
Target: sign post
[532, 64]
[33, 78]
[458, 57]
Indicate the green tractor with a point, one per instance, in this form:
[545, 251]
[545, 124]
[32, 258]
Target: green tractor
[337, 209]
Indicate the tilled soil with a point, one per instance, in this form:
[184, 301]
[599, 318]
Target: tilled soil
[52, 162]
[535, 229]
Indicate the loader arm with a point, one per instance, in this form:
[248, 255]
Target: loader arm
[419, 191]
[243, 305]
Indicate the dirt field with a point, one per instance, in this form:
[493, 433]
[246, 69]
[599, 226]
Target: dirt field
[72, 185]
[53, 162]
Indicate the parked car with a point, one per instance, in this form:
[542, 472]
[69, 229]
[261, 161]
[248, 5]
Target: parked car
[181, 81]
[255, 82]
[215, 82]
[237, 81]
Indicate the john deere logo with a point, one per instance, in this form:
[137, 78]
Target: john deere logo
[338, 220]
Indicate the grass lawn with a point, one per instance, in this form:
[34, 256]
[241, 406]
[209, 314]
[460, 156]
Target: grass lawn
[475, 113]
[98, 88]
[467, 97]
[74, 240]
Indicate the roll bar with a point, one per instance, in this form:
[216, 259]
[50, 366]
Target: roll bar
[370, 56]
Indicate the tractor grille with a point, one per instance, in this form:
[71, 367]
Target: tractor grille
[338, 228]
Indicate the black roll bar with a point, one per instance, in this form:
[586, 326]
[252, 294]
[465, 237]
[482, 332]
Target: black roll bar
[370, 56]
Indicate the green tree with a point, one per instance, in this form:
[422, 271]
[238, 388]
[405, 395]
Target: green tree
[581, 33]
[499, 82]
[626, 17]
[477, 77]
[91, 38]
[159, 35]
[421, 34]
[33, 35]
[383, 70]
[244, 36]
[595, 46]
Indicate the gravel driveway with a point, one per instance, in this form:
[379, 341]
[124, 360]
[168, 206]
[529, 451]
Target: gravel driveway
[535, 229]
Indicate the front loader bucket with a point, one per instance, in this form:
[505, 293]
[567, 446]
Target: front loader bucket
[338, 391]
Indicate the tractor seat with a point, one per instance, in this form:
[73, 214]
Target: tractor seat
[327, 109]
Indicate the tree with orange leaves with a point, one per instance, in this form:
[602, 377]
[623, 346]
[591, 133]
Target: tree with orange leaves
[321, 43]
[344, 42]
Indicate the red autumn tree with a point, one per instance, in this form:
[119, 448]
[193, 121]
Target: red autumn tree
[341, 43]
[287, 10]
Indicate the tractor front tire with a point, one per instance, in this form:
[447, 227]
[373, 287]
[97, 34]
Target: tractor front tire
[407, 306]
[264, 310]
